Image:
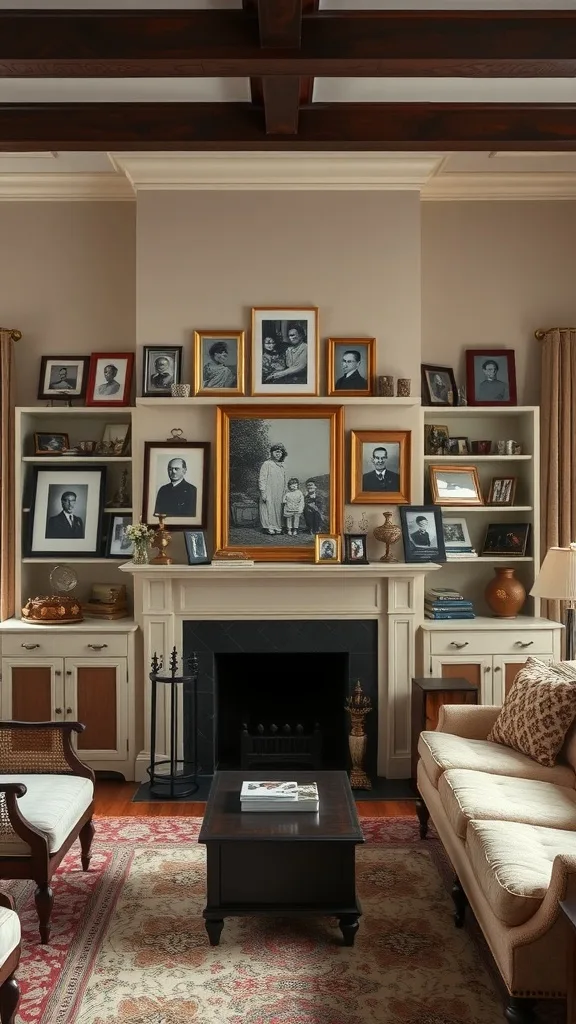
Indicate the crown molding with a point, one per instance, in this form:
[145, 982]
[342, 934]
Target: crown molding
[308, 171]
[82, 187]
[483, 187]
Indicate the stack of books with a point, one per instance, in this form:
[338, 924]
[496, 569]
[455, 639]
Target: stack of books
[279, 796]
[446, 603]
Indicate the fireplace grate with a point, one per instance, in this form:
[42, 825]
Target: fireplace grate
[287, 746]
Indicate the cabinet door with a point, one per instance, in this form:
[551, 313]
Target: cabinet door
[506, 668]
[476, 669]
[33, 689]
[96, 695]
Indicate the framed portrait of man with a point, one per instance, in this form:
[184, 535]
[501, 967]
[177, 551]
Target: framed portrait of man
[490, 376]
[161, 368]
[63, 377]
[422, 533]
[110, 378]
[66, 511]
[438, 385]
[176, 477]
[380, 467]
[219, 363]
[279, 481]
[350, 366]
[285, 351]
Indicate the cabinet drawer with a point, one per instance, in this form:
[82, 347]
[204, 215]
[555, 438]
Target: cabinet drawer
[483, 641]
[66, 645]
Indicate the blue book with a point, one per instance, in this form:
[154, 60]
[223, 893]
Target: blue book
[441, 616]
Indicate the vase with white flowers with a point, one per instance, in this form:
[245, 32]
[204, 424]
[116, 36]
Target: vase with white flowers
[140, 535]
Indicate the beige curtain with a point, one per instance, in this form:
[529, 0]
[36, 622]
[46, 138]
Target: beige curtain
[7, 339]
[558, 446]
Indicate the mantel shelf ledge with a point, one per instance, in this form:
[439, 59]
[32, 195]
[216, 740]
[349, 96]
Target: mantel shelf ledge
[269, 570]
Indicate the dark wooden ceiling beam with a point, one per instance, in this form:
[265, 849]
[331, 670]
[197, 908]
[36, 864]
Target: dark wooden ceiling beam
[280, 23]
[239, 126]
[226, 43]
[281, 105]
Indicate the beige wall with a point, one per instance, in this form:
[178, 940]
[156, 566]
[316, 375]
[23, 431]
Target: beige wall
[67, 281]
[205, 258]
[493, 273]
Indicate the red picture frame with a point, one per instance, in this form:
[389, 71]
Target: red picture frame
[101, 391]
[483, 386]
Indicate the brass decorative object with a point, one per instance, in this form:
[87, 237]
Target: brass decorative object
[161, 540]
[358, 705]
[388, 533]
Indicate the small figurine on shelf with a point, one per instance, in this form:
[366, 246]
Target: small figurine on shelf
[121, 498]
[140, 535]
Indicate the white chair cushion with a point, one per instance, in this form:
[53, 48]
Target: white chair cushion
[469, 796]
[53, 804]
[512, 864]
[9, 933]
[441, 751]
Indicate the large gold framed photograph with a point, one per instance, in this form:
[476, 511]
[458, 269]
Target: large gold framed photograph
[219, 363]
[455, 485]
[279, 479]
[380, 467]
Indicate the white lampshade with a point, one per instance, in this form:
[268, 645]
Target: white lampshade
[557, 577]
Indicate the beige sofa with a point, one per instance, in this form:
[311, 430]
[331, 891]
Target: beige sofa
[508, 825]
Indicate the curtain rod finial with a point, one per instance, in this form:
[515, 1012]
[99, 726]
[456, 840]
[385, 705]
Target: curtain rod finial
[14, 334]
[539, 335]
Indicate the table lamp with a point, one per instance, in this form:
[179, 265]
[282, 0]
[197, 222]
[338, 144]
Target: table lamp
[557, 581]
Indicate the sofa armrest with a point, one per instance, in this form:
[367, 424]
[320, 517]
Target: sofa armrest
[471, 721]
[40, 748]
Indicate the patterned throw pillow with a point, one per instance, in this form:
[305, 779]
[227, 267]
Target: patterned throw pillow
[538, 711]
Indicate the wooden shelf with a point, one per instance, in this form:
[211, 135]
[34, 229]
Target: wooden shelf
[486, 508]
[508, 559]
[66, 459]
[476, 410]
[367, 400]
[71, 561]
[473, 457]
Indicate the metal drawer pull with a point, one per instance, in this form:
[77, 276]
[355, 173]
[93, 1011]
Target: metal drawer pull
[68, 711]
[57, 711]
[29, 647]
[459, 646]
[520, 643]
[97, 647]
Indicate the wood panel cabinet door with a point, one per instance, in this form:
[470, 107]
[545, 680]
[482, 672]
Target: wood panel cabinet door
[476, 669]
[506, 668]
[96, 695]
[33, 689]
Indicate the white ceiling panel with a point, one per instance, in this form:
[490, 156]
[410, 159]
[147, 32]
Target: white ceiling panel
[444, 90]
[124, 90]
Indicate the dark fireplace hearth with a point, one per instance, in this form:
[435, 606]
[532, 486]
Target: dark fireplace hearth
[286, 679]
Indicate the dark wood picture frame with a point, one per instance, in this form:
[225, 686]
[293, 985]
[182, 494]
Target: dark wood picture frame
[111, 358]
[495, 491]
[69, 394]
[429, 396]
[199, 521]
[491, 355]
[175, 353]
[507, 539]
[112, 517]
[39, 434]
[67, 551]
[350, 552]
[412, 552]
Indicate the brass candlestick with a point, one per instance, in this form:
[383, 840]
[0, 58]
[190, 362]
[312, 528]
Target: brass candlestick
[358, 705]
[161, 540]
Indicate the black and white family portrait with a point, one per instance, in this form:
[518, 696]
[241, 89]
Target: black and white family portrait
[66, 510]
[175, 482]
[490, 377]
[161, 369]
[350, 365]
[110, 378]
[278, 478]
[285, 352]
[422, 534]
[63, 376]
[119, 545]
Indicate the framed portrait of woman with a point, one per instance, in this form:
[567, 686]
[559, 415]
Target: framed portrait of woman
[279, 482]
[219, 363]
[285, 351]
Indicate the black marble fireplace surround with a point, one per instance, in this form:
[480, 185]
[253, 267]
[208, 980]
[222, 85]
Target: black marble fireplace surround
[296, 670]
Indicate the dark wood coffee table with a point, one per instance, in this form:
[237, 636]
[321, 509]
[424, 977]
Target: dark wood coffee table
[281, 863]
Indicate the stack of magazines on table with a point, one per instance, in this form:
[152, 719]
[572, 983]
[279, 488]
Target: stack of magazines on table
[447, 603]
[279, 796]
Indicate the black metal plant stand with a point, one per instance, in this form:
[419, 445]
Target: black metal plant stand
[174, 778]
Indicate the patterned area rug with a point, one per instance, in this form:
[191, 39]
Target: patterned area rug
[129, 945]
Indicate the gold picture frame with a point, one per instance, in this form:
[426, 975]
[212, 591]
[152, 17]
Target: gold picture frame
[209, 367]
[322, 556]
[455, 485]
[278, 335]
[380, 467]
[356, 369]
[255, 442]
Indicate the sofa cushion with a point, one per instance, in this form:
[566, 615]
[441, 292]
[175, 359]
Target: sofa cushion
[468, 796]
[441, 751]
[512, 863]
[537, 712]
[9, 932]
[53, 804]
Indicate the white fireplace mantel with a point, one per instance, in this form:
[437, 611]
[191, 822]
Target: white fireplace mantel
[165, 596]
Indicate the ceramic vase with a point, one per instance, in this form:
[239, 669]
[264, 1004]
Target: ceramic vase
[505, 594]
[388, 534]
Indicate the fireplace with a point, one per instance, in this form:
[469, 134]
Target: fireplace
[287, 674]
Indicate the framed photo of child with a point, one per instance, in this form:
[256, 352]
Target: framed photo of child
[219, 363]
[327, 548]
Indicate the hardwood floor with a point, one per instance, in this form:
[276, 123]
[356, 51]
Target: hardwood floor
[114, 799]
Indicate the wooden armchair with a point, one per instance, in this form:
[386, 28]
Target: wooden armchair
[9, 959]
[46, 803]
